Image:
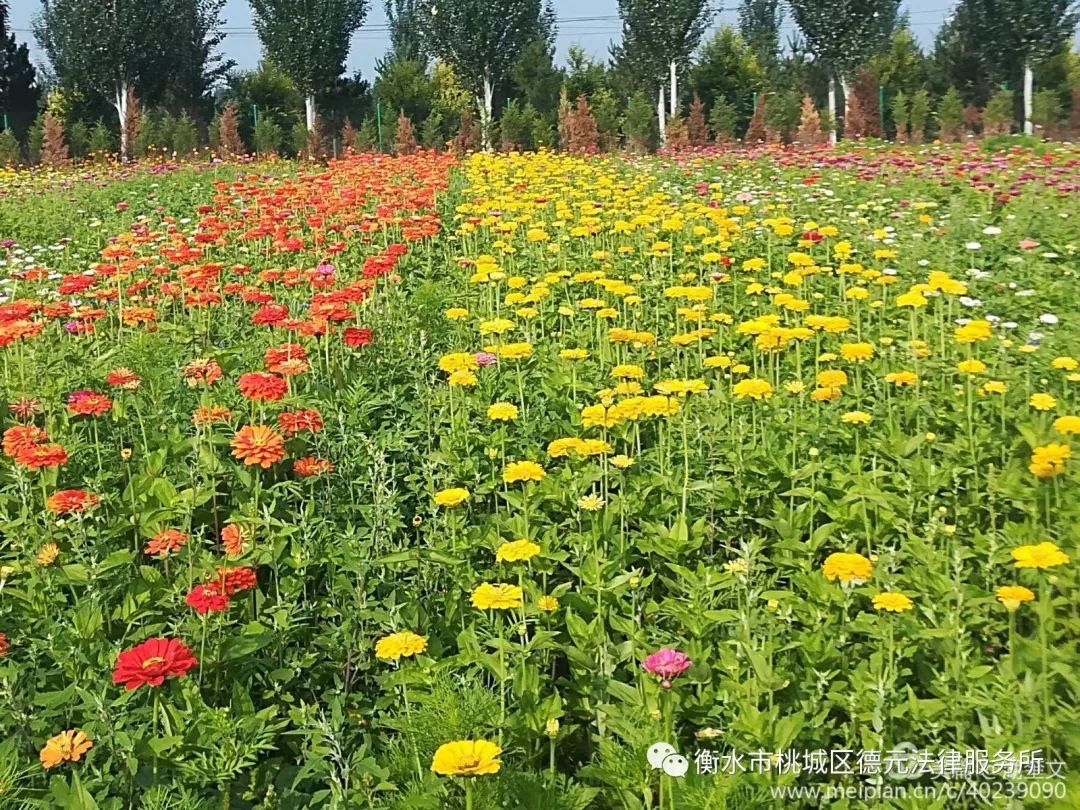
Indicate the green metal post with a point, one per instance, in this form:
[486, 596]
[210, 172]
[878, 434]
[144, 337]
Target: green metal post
[881, 108]
[5, 122]
[378, 122]
[255, 113]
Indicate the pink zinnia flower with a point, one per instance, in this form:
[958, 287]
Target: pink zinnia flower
[485, 359]
[1027, 244]
[666, 663]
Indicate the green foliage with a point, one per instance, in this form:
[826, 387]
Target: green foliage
[367, 137]
[901, 66]
[919, 113]
[1013, 33]
[950, 113]
[639, 125]
[759, 26]
[728, 69]
[185, 136]
[298, 139]
[403, 86]
[268, 136]
[35, 138]
[656, 33]
[102, 139]
[1047, 111]
[843, 33]
[10, 154]
[536, 78]
[515, 125]
[432, 134]
[899, 108]
[605, 109]
[723, 119]
[998, 115]
[783, 112]
[308, 39]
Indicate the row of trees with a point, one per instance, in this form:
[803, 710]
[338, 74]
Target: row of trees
[459, 65]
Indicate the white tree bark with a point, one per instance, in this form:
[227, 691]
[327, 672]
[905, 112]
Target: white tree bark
[309, 111]
[832, 109]
[1029, 83]
[121, 105]
[660, 115]
[674, 109]
[484, 102]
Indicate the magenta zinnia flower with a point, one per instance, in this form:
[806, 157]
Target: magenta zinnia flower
[666, 663]
[484, 359]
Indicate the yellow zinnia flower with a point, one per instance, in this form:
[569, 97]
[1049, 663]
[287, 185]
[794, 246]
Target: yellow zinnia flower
[847, 567]
[498, 596]
[467, 758]
[455, 496]
[547, 603]
[517, 471]
[1011, 596]
[755, 388]
[1041, 555]
[400, 645]
[1042, 402]
[892, 602]
[502, 412]
[516, 551]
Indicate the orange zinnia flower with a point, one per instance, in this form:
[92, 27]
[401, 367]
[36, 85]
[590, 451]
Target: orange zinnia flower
[298, 421]
[258, 444]
[71, 501]
[67, 746]
[22, 437]
[88, 403]
[42, 455]
[233, 539]
[208, 414]
[165, 542]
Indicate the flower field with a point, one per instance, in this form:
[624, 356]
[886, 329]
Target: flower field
[427, 482]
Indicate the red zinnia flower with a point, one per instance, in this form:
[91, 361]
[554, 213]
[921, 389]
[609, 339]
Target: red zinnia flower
[234, 580]
[166, 542]
[292, 422]
[260, 386]
[123, 378]
[207, 598]
[88, 403]
[152, 662]
[355, 336]
[3, 644]
[71, 501]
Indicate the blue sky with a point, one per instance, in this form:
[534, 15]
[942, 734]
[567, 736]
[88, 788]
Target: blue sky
[371, 42]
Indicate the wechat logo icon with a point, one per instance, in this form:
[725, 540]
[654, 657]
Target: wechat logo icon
[662, 756]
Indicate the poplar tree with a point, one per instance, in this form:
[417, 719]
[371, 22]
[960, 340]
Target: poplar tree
[1016, 35]
[481, 41]
[841, 35]
[658, 39]
[308, 40]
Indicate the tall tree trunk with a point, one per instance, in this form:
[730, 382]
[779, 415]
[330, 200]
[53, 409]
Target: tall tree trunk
[1029, 82]
[309, 111]
[832, 109]
[660, 115]
[484, 103]
[121, 105]
[674, 109]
